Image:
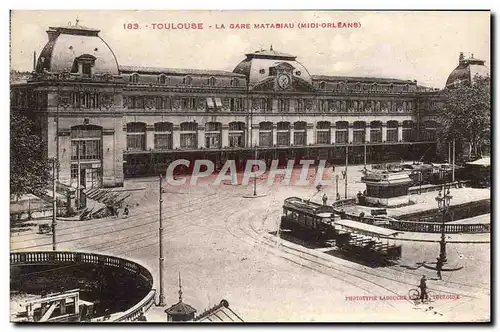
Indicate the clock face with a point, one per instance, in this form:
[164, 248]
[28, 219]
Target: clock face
[283, 81]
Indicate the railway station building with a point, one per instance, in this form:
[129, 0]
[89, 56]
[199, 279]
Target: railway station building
[113, 121]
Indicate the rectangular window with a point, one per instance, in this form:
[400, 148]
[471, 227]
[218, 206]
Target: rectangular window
[86, 70]
[284, 105]
[375, 135]
[358, 136]
[188, 141]
[392, 134]
[323, 136]
[341, 136]
[266, 138]
[283, 138]
[136, 141]
[163, 141]
[89, 149]
[299, 138]
[160, 103]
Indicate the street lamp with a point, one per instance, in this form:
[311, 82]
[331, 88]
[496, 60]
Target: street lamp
[336, 186]
[443, 205]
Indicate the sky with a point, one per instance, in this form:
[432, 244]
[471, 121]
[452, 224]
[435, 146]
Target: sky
[422, 46]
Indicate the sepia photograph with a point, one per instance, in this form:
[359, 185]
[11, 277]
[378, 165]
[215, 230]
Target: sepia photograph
[221, 166]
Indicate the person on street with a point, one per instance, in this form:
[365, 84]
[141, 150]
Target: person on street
[338, 197]
[423, 288]
[125, 212]
[439, 267]
[325, 199]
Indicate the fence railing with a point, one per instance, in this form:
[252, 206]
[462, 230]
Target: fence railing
[413, 226]
[64, 257]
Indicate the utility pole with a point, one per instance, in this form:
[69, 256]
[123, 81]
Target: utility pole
[161, 301]
[453, 166]
[78, 203]
[346, 162]
[54, 204]
[365, 155]
[255, 175]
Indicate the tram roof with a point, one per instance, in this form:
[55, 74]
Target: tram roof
[366, 228]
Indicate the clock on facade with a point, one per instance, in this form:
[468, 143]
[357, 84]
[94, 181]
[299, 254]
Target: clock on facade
[283, 81]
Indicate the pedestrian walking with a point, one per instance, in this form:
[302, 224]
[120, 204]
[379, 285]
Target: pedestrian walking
[325, 199]
[338, 197]
[125, 212]
[423, 288]
[333, 168]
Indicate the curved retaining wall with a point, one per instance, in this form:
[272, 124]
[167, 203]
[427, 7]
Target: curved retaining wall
[65, 257]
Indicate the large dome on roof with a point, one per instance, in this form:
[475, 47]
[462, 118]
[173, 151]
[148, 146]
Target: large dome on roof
[257, 66]
[67, 46]
[466, 71]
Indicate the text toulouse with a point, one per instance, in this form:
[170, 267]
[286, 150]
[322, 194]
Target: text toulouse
[248, 26]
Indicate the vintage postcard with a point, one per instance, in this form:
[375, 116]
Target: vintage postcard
[250, 166]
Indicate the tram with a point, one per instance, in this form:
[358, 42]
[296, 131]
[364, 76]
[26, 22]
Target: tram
[319, 223]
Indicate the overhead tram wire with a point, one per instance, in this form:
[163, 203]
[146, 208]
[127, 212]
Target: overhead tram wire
[116, 231]
[143, 217]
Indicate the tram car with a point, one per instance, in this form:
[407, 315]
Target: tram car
[319, 223]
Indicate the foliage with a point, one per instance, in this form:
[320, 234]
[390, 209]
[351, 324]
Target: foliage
[466, 113]
[30, 170]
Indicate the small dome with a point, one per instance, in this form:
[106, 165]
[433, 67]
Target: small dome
[466, 71]
[68, 44]
[257, 66]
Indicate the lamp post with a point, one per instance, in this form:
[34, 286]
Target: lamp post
[443, 205]
[336, 186]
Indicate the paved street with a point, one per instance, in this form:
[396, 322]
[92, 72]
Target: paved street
[221, 244]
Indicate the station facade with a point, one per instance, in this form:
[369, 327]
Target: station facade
[105, 122]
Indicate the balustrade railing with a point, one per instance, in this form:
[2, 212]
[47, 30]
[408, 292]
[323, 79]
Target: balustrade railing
[54, 257]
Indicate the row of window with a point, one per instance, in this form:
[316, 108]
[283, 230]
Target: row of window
[266, 104]
[186, 80]
[209, 103]
[163, 133]
[375, 87]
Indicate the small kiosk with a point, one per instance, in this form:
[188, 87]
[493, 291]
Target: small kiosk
[387, 188]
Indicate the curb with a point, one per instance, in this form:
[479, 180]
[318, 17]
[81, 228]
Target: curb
[436, 241]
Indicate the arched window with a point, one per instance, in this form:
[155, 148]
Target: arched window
[341, 132]
[392, 131]
[134, 78]
[162, 79]
[300, 133]
[211, 81]
[163, 135]
[86, 144]
[187, 80]
[323, 132]
[283, 134]
[213, 135]
[359, 129]
[236, 134]
[375, 131]
[189, 135]
[429, 130]
[234, 82]
[136, 136]
[266, 134]
[322, 85]
[409, 131]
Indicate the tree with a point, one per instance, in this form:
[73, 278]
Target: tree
[466, 114]
[30, 170]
